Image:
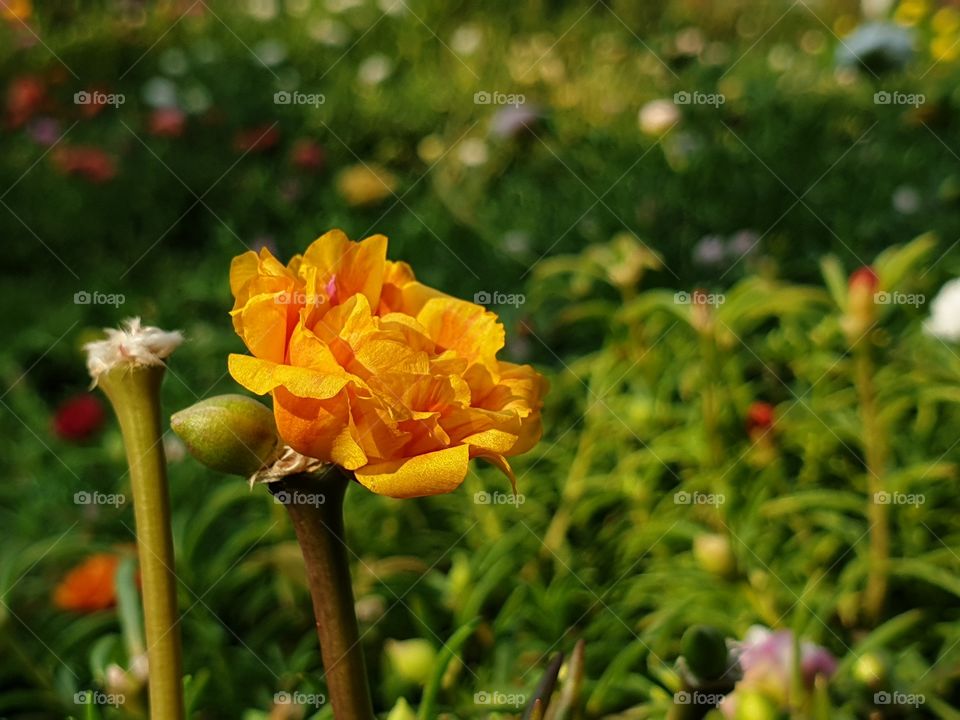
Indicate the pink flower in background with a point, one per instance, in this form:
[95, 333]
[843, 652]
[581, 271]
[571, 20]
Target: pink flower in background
[167, 122]
[90, 163]
[766, 658]
[97, 101]
[44, 131]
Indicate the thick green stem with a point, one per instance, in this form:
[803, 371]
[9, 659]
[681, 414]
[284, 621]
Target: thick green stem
[878, 511]
[315, 506]
[134, 392]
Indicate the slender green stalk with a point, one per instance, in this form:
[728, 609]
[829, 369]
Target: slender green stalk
[315, 506]
[134, 392]
[878, 513]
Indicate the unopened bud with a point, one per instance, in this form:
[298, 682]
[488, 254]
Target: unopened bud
[411, 659]
[401, 711]
[705, 652]
[713, 553]
[861, 307]
[232, 434]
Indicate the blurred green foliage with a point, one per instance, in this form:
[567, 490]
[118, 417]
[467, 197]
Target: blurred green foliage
[599, 224]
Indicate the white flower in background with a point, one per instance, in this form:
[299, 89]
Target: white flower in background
[159, 92]
[392, 7]
[375, 69]
[944, 321]
[906, 200]
[658, 116]
[262, 10]
[473, 152]
[466, 39]
[270, 52]
[329, 32]
[339, 6]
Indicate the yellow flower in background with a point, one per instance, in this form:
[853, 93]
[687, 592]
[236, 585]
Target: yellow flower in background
[376, 372]
[366, 184]
[945, 45]
[911, 12]
[16, 9]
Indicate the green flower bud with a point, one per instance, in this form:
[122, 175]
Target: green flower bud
[232, 434]
[713, 553]
[705, 652]
[870, 669]
[412, 659]
[401, 711]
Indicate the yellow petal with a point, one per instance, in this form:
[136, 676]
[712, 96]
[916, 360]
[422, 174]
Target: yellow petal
[350, 267]
[262, 376]
[468, 329]
[318, 428]
[430, 474]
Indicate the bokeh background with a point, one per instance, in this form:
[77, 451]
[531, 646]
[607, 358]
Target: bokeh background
[595, 172]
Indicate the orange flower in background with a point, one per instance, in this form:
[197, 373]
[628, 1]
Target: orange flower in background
[16, 10]
[90, 586]
[376, 372]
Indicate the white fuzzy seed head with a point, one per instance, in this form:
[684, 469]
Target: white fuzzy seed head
[133, 344]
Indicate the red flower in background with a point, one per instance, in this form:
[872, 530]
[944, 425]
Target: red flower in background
[90, 163]
[90, 586]
[308, 155]
[96, 102]
[864, 277]
[78, 418]
[760, 419]
[256, 139]
[167, 122]
[25, 96]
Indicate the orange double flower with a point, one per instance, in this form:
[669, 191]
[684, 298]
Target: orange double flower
[376, 372]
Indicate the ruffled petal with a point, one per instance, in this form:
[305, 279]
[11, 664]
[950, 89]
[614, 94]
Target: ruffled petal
[430, 474]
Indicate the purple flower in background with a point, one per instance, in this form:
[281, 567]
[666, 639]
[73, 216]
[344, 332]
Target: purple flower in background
[766, 659]
[44, 131]
[512, 120]
[742, 243]
[709, 250]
